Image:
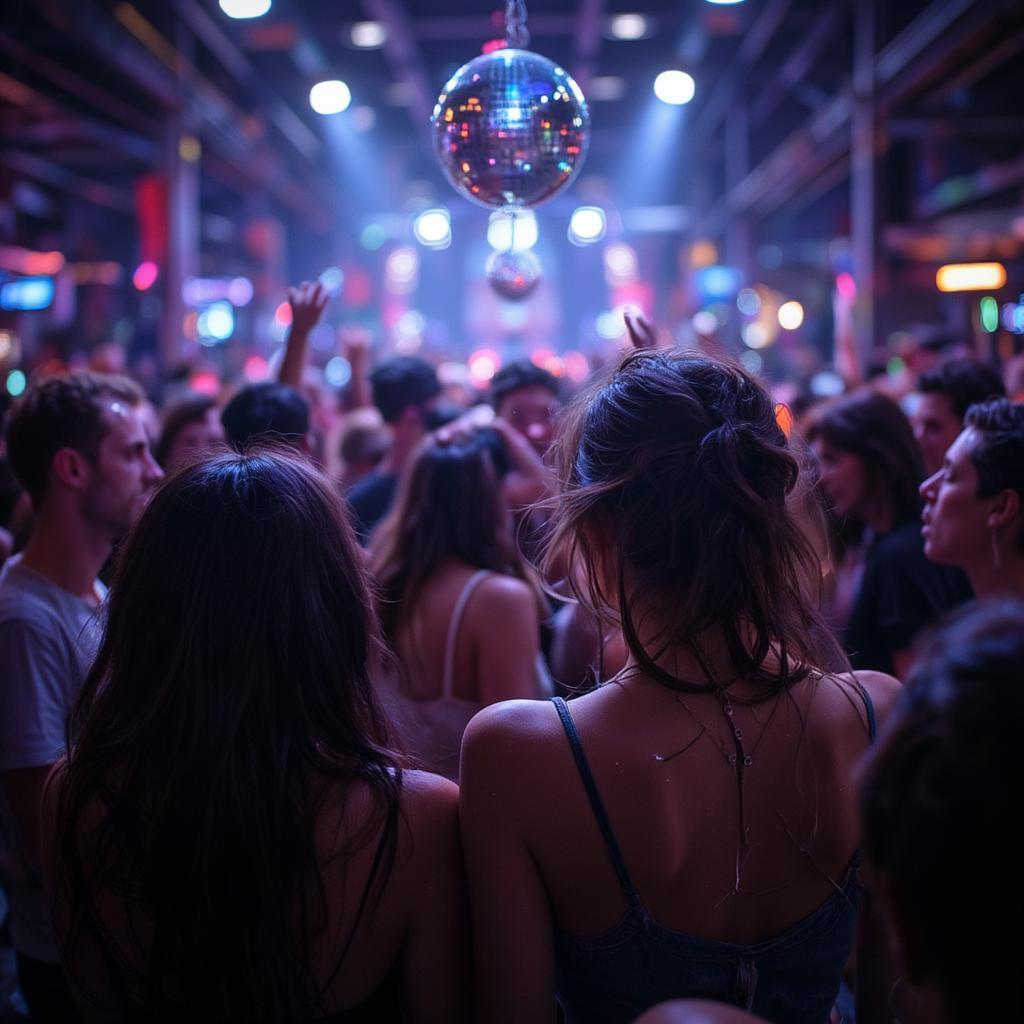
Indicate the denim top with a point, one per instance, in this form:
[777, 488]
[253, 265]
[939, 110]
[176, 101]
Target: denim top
[792, 978]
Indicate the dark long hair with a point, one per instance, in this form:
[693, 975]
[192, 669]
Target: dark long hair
[676, 464]
[939, 798]
[232, 688]
[873, 427]
[449, 505]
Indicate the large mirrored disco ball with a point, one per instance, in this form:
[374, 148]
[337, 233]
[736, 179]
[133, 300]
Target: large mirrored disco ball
[511, 129]
[513, 275]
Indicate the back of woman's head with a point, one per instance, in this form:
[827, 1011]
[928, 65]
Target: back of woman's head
[676, 492]
[232, 680]
[938, 799]
[873, 427]
[449, 505]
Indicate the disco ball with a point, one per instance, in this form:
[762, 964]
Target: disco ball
[513, 275]
[510, 129]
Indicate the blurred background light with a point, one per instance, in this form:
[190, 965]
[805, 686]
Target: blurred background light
[16, 383]
[245, 8]
[368, 35]
[627, 27]
[330, 97]
[675, 87]
[587, 225]
[791, 315]
[513, 231]
[338, 371]
[216, 323]
[970, 277]
[145, 275]
[989, 311]
[433, 228]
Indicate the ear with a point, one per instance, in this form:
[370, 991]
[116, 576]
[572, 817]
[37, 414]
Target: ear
[1005, 508]
[71, 468]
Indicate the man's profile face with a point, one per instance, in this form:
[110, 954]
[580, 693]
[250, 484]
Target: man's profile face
[936, 427]
[533, 411]
[124, 472]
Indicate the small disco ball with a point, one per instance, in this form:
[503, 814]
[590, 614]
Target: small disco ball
[513, 275]
[510, 129]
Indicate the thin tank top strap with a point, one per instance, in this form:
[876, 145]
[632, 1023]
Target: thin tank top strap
[448, 679]
[596, 803]
[869, 707]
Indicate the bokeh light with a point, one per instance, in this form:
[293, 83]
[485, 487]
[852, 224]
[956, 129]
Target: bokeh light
[675, 87]
[330, 97]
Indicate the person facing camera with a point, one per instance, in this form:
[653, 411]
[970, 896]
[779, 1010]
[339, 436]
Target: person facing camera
[973, 516]
[687, 829]
[229, 836]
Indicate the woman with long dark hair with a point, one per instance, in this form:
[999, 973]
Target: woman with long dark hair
[688, 829]
[869, 469]
[230, 837]
[937, 797]
[458, 602]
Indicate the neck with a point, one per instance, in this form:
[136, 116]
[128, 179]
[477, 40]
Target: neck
[880, 519]
[1003, 580]
[66, 550]
[402, 445]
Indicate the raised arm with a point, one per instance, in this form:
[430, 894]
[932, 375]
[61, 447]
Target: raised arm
[308, 302]
[355, 347]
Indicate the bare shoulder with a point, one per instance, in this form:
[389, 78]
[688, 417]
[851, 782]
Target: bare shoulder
[509, 724]
[883, 689]
[428, 800]
[696, 1011]
[499, 591]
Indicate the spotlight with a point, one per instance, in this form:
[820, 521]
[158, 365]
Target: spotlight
[627, 26]
[330, 97]
[586, 225]
[674, 87]
[791, 315]
[245, 8]
[433, 228]
[512, 231]
[368, 35]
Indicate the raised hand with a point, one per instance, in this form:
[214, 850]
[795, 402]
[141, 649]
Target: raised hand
[308, 303]
[642, 333]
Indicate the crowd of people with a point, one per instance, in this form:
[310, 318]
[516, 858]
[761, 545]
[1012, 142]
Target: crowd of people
[653, 702]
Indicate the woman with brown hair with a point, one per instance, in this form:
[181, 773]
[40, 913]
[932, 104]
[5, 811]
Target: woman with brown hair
[230, 837]
[458, 603]
[869, 470]
[688, 829]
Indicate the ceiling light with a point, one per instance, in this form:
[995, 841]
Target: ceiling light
[245, 8]
[330, 97]
[674, 87]
[368, 35]
[628, 26]
[586, 225]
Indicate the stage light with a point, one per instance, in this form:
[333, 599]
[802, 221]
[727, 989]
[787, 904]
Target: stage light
[216, 323]
[725, 3]
[402, 265]
[970, 277]
[513, 231]
[145, 275]
[587, 225]
[256, 369]
[330, 97]
[627, 27]
[755, 335]
[748, 302]
[25, 294]
[791, 315]
[433, 228]
[368, 35]
[718, 282]
[705, 323]
[240, 9]
[338, 371]
[989, 309]
[620, 263]
[675, 87]
[16, 383]
[483, 365]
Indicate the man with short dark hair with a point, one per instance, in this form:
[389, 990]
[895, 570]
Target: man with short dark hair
[406, 391]
[78, 445]
[267, 411]
[528, 398]
[946, 392]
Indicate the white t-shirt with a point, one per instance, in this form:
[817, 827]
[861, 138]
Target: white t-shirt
[48, 640]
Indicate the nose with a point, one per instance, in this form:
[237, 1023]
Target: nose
[153, 473]
[928, 488]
